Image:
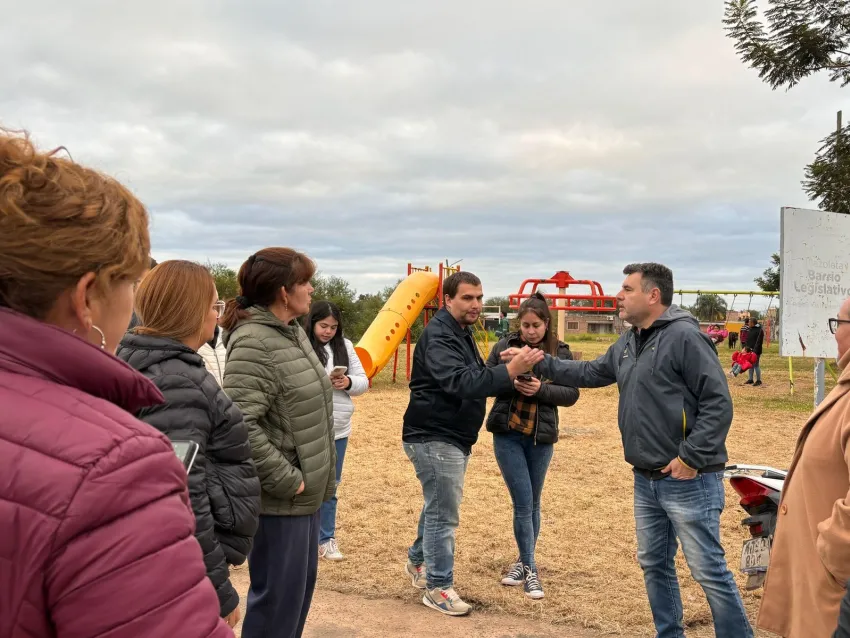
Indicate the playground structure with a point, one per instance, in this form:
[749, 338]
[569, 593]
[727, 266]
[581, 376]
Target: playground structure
[735, 326]
[596, 301]
[421, 291]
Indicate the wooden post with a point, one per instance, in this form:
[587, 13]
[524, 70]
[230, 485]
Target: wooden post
[562, 316]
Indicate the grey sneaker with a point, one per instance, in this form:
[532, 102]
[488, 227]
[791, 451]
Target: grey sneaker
[515, 575]
[417, 574]
[533, 588]
[329, 550]
[446, 601]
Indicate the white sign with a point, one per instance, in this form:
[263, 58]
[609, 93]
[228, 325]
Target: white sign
[815, 279]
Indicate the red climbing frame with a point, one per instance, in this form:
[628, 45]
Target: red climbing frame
[557, 301]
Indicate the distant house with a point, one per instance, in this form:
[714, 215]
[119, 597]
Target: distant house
[592, 323]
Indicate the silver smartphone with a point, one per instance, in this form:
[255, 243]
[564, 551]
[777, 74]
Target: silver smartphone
[186, 451]
[338, 371]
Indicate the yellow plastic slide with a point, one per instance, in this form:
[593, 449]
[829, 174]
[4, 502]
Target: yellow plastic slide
[387, 331]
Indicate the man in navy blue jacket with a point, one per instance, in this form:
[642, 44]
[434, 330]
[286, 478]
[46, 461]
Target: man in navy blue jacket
[449, 385]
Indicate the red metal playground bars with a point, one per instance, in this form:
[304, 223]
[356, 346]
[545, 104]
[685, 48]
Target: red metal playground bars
[600, 302]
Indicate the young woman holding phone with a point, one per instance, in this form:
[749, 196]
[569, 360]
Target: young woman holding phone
[324, 327]
[524, 424]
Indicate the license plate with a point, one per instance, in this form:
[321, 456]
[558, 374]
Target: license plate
[755, 555]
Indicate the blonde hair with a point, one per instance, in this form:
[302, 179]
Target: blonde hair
[60, 221]
[173, 300]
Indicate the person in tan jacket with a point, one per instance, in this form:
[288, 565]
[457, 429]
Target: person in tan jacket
[810, 560]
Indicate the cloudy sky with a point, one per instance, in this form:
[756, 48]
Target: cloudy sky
[521, 137]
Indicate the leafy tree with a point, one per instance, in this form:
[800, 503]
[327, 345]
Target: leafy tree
[799, 38]
[225, 280]
[828, 177]
[709, 308]
[502, 302]
[338, 291]
[769, 281]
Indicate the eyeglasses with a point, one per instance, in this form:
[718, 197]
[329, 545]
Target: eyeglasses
[219, 308]
[834, 323]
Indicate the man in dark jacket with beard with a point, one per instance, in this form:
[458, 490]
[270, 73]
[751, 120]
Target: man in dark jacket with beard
[449, 385]
[674, 414]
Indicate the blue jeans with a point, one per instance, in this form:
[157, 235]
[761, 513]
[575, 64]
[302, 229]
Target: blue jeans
[524, 466]
[757, 369]
[327, 528]
[690, 510]
[440, 468]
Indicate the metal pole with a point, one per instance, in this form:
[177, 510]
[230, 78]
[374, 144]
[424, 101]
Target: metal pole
[820, 384]
[791, 373]
[562, 316]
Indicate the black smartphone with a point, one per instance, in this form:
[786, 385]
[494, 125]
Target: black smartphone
[524, 377]
[186, 451]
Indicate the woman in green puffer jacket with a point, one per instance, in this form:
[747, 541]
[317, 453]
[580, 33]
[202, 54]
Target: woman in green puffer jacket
[273, 375]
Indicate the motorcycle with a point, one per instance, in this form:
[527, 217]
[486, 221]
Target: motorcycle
[760, 489]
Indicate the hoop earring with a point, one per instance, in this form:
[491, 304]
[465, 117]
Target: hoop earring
[102, 337]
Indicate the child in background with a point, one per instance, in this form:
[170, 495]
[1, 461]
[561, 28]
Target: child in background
[742, 361]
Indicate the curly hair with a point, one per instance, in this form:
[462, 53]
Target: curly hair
[59, 221]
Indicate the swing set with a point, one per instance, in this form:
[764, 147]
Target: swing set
[735, 326]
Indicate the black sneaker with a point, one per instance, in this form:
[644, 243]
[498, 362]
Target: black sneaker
[757, 383]
[748, 383]
[533, 588]
[515, 575]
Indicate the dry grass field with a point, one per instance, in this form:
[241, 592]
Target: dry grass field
[586, 552]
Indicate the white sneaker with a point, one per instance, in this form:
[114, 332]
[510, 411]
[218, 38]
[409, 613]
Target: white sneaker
[515, 576]
[417, 574]
[330, 551]
[446, 601]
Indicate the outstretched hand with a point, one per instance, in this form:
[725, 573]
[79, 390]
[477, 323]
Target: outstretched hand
[523, 360]
[508, 354]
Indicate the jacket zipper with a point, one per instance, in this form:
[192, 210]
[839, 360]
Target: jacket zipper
[634, 366]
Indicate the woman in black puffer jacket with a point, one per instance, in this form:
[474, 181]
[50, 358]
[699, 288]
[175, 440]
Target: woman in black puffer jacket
[524, 424]
[177, 305]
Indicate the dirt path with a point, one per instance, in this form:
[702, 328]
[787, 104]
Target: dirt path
[334, 615]
[345, 616]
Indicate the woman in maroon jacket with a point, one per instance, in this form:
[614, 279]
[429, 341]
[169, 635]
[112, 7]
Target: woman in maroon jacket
[96, 530]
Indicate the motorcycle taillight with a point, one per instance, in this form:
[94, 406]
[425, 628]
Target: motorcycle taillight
[752, 492]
